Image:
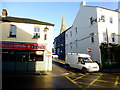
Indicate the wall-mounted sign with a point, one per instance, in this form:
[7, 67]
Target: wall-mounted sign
[6, 45]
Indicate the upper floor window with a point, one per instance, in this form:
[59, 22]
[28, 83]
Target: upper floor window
[71, 33]
[91, 20]
[104, 37]
[111, 20]
[13, 30]
[71, 45]
[36, 32]
[76, 42]
[103, 18]
[66, 35]
[113, 37]
[92, 37]
[76, 29]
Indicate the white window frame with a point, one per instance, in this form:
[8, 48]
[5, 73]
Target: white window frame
[13, 31]
[36, 33]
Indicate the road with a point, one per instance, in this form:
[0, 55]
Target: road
[61, 77]
[92, 80]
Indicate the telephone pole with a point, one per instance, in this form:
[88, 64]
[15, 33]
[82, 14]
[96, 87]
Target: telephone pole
[109, 59]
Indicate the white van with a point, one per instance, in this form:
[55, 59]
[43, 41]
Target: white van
[82, 62]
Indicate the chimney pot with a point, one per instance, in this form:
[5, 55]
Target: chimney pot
[4, 13]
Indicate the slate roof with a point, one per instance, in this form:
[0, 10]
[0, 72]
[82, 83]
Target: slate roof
[23, 20]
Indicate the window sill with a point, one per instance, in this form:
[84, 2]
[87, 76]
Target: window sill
[11, 37]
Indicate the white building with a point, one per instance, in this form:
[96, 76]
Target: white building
[89, 30]
[26, 44]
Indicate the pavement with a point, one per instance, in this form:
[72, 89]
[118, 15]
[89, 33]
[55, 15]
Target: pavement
[56, 70]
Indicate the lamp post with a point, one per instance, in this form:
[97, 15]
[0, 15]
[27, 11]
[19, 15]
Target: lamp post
[109, 59]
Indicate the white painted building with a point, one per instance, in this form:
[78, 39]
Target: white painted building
[89, 30]
[26, 44]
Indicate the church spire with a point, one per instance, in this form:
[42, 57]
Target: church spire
[63, 26]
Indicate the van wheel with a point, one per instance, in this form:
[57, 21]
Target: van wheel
[67, 66]
[84, 70]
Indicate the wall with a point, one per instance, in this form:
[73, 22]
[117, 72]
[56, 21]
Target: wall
[25, 34]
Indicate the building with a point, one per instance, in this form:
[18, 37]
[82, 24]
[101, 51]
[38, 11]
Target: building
[91, 27]
[59, 41]
[26, 44]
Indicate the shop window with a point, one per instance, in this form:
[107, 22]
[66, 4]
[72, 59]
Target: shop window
[36, 33]
[36, 56]
[8, 56]
[13, 29]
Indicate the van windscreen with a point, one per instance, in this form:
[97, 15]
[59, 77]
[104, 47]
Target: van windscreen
[85, 59]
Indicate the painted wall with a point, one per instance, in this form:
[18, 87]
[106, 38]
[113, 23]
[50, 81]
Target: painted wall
[80, 41]
[25, 34]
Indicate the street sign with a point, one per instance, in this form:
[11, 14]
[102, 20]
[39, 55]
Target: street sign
[48, 54]
[89, 49]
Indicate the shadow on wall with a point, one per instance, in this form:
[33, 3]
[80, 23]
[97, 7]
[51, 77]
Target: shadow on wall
[18, 60]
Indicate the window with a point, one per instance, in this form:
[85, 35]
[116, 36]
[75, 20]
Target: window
[113, 37]
[103, 18]
[111, 20]
[36, 32]
[13, 29]
[76, 29]
[76, 43]
[71, 45]
[92, 37]
[66, 35]
[45, 37]
[71, 33]
[91, 20]
[104, 37]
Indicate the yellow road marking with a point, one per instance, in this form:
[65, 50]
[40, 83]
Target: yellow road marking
[73, 81]
[116, 82]
[94, 81]
[92, 85]
[103, 81]
[60, 61]
[81, 77]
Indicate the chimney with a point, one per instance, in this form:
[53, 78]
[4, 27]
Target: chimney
[4, 13]
[83, 3]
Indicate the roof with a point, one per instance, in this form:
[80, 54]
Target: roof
[24, 20]
[103, 8]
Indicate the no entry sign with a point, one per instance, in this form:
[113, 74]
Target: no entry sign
[89, 49]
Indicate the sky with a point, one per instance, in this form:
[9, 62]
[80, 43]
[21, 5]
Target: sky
[50, 11]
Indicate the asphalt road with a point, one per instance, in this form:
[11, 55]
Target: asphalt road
[61, 77]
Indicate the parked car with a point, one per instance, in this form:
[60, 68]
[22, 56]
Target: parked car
[54, 56]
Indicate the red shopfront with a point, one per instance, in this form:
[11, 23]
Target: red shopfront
[21, 56]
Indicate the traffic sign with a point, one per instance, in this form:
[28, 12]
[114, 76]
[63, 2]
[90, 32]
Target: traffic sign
[48, 54]
[89, 49]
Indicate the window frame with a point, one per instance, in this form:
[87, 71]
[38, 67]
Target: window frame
[36, 33]
[13, 29]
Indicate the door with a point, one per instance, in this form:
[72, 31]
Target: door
[80, 63]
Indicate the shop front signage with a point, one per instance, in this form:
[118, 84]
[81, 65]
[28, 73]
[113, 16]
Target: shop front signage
[22, 46]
